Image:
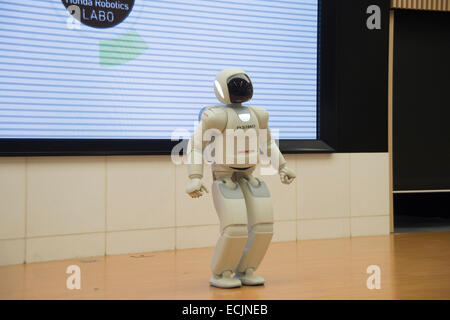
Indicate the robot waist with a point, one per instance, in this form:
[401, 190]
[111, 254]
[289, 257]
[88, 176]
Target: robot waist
[232, 168]
[245, 168]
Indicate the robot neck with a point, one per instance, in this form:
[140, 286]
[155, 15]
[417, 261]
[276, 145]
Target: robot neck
[234, 105]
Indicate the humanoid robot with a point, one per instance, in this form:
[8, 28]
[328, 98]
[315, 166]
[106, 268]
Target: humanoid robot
[241, 200]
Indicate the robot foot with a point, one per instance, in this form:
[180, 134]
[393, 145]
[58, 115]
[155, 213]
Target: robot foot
[225, 281]
[249, 279]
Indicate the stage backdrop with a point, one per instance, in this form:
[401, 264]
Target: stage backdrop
[141, 69]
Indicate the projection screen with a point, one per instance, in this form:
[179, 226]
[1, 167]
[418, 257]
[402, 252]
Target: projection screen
[88, 69]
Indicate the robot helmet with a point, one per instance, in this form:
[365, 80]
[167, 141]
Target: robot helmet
[233, 85]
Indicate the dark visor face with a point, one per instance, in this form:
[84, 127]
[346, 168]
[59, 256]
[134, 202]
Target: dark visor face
[240, 88]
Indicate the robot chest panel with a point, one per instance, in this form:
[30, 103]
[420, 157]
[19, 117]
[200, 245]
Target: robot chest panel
[241, 138]
[242, 118]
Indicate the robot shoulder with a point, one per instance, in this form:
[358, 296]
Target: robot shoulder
[262, 115]
[214, 117]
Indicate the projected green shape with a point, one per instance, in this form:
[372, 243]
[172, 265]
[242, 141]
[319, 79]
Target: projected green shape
[121, 50]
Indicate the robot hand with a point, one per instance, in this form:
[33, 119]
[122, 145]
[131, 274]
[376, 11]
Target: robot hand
[195, 188]
[286, 175]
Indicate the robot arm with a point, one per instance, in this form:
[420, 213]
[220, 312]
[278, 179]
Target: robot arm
[211, 119]
[273, 152]
[286, 175]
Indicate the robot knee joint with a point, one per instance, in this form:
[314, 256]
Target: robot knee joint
[235, 231]
[262, 228]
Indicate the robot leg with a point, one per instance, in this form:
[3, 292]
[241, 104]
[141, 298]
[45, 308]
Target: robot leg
[230, 206]
[260, 229]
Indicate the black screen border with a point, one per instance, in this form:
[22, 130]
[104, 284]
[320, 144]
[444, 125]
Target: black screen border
[326, 141]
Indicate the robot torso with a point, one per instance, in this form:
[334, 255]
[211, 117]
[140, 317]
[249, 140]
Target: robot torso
[237, 138]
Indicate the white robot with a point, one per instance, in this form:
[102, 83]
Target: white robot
[242, 201]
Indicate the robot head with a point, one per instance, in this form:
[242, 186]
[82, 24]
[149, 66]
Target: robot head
[233, 85]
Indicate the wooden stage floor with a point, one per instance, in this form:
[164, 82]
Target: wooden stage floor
[413, 266]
